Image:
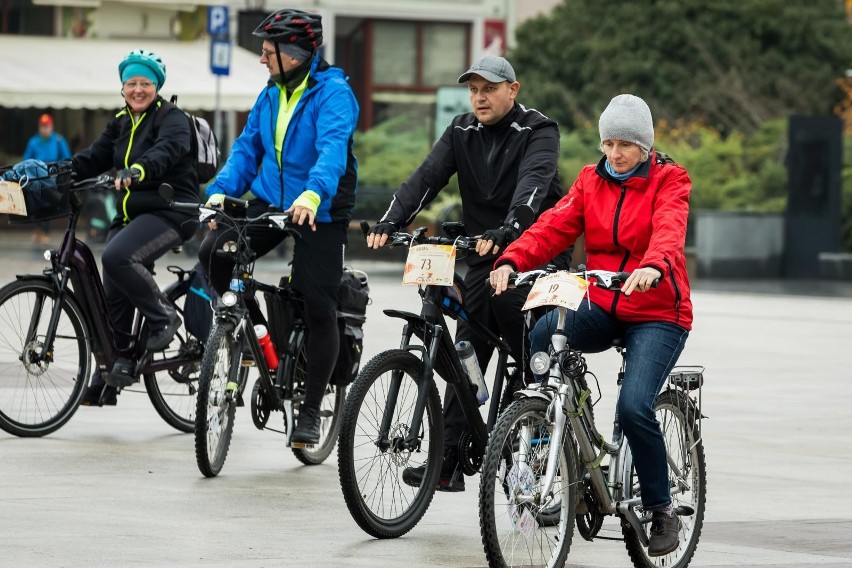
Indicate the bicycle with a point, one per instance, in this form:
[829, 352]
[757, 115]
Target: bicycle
[393, 418]
[545, 453]
[233, 347]
[54, 322]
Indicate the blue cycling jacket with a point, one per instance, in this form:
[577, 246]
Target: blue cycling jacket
[317, 153]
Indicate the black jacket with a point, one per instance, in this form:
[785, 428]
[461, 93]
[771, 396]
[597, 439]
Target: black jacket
[499, 167]
[164, 153]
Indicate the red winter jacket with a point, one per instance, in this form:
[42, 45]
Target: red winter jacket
[627, 225]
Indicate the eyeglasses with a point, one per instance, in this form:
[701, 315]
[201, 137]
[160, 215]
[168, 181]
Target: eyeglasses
[144, 85]
[266, 53]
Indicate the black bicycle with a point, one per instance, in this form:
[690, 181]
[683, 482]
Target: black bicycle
[52, 323]
[393, 418]
[233, 349]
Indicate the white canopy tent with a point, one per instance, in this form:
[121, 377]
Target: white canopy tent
[51, 72]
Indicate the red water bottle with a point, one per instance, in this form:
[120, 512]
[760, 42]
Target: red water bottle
[266, 345]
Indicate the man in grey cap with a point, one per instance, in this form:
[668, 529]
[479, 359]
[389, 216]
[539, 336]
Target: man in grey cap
[505, 156]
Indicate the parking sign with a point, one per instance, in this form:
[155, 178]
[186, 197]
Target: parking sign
[220, 57]
[217, 21]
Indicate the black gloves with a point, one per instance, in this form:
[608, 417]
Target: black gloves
[501, 237]
[127, 173]
[383, 228]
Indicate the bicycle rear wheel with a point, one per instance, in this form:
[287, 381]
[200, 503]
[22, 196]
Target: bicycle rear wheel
[331, 409]
[216, 401]
[678, 422]
[370, 467]
[39, 395]
[173, 392]
[510, 499]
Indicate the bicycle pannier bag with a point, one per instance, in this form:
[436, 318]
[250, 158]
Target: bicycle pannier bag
[352, 300]
[197, 309]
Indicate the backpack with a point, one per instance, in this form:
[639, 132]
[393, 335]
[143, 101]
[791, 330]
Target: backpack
[203, 145]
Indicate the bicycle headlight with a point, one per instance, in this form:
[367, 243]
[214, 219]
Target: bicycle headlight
[230, 247]
[229, 298]
[540, 363]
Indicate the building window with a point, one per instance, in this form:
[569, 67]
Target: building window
[418, 55]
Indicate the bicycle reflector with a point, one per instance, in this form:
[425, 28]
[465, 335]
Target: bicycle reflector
[540, 363]
[229, 298]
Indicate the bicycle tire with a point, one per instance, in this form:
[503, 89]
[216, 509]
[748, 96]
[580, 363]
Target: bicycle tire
[509, 527]
[173, 393]
[371, 477]
[39, 398]
[687, 450]
[331, 409]
[216, 405]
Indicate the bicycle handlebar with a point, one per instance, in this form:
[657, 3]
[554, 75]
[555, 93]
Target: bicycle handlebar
[603, 278]
[418, 237]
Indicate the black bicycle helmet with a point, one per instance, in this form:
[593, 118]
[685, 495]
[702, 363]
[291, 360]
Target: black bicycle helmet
[290, 26]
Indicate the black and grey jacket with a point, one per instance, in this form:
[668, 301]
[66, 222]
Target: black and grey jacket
[499, 167]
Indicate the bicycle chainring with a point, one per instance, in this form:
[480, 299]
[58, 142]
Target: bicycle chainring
[470, 457]
[260, 407]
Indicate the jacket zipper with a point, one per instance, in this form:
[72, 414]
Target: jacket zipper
[615, 240]
[133, 126]
[676, 288]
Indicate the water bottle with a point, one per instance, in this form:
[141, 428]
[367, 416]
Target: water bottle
[266, 345]
[471, 367]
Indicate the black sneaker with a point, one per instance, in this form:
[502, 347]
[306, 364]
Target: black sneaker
[161, 338]
[98, 393]
[664, 533]
[122, 373]
[451, 479]
[307, 431]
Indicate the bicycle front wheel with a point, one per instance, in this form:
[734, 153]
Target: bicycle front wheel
[331, 409]
[510, 491]
[40, 391]
[173, 392]
[371, 463]
[216, 402]
[687, 478]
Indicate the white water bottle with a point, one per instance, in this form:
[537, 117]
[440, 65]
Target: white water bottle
[467, 356]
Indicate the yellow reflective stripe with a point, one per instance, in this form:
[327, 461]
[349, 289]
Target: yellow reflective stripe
[134, 124]
[141, 171]
[309, 200]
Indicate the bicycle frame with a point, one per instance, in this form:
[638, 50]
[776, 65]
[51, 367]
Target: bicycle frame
[438, 350]
[73, 262]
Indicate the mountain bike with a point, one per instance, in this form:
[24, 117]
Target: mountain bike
[393, 418]
[233, 348]
[546, 454]
[52, 323]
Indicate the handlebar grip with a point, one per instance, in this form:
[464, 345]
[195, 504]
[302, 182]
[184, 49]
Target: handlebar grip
[188, 207]
[365, 227]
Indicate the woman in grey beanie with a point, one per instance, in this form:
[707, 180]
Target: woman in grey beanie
[632, 207]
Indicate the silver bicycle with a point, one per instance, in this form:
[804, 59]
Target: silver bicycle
[547, 467]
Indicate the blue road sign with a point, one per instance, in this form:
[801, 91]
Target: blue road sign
[220, 57]
[217, 21]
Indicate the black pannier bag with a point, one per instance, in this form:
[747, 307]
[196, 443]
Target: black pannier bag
[197, 308]
[279, 317]
[352, 300]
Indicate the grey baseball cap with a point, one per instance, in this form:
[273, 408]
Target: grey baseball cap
[491, 68]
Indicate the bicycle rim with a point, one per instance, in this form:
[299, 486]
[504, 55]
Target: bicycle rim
[510, 498]
[216, 404]
[173, 392]
[686, 451]
[39, 396]
[371, 469]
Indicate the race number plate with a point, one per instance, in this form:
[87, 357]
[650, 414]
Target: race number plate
[430, 265]
[561, 289]
[12, 199]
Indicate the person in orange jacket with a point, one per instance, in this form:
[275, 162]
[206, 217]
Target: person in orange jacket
[632, 207]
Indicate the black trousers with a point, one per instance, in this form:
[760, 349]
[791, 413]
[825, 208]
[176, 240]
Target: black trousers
[318, 258]
[128, 263]
[501, 315]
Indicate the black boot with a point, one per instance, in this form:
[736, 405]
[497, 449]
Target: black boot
[451, 479]
[307, 431]
[98, 393]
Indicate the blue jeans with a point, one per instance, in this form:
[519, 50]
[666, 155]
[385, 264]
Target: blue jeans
[652, 349]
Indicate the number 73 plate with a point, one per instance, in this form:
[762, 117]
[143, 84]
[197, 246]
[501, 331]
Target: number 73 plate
[430, 265]
[561, 289]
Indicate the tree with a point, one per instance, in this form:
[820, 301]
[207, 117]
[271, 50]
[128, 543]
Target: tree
[727, 64]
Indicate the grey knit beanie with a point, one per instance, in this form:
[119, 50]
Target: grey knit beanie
[628, 117]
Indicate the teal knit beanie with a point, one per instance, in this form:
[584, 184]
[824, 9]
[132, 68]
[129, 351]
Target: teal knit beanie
[139, 70]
